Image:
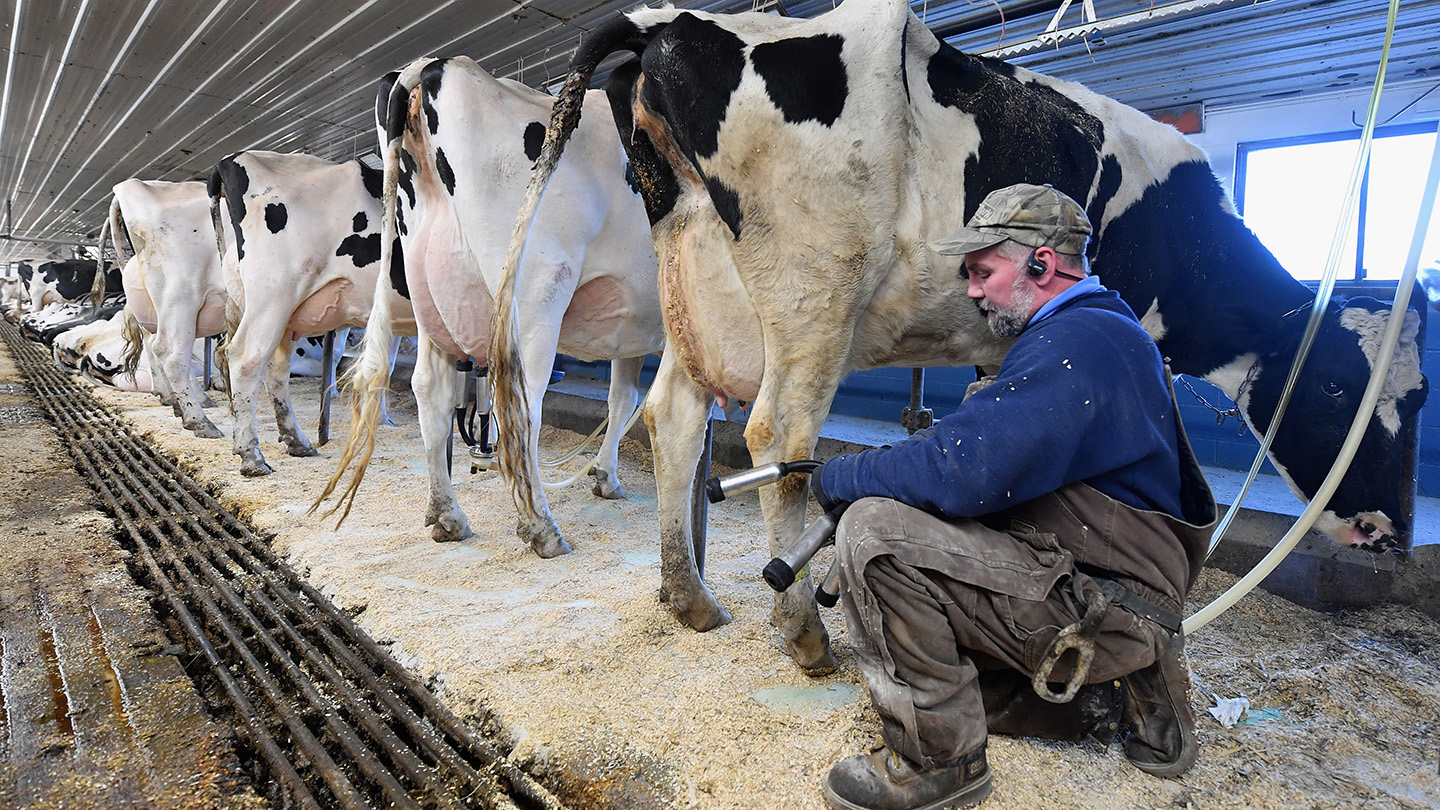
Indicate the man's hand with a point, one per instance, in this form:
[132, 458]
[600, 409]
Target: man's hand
[828, 504]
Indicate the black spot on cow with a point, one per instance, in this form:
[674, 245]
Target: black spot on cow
[360, 223]
[630, 179]
[1110, 177]
[72, 278]
[400, 220]
[805, 77]
[534, 139]
[691, 71]
[362, 250]
[442, 167]
[276, 216]
[114, 280]
[397, 270]
[407, 174]
[374, 180]
[430, 78]
[649, 174]
[393, 107]
[231, 178]
[382, 102]
[727, 204]
[1029, 133]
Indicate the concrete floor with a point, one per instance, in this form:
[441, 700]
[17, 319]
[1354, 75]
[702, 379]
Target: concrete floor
[96, 710]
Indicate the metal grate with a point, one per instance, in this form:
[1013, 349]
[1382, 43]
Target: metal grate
[324, 715]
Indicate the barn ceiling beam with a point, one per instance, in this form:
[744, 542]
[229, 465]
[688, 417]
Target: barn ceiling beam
[1126, 22]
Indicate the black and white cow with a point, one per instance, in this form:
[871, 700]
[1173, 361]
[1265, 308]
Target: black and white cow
[460, 144]
[303, 261]
[794, 172]
[69, 280]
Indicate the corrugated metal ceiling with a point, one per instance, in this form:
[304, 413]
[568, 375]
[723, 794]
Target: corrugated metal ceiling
[97, 91]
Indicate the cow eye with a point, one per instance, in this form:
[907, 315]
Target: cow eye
[1333, 389]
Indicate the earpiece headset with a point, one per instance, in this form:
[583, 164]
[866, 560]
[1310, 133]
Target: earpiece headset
[1033, 265]
[1035, 268]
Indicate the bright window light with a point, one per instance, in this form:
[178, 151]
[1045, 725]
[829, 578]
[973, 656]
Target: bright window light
[1292, 192]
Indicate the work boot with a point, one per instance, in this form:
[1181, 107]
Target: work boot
[1013, 708]
[1161, 738]
[884, 780]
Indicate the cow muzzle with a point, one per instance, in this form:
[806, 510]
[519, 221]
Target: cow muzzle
[1371, 531]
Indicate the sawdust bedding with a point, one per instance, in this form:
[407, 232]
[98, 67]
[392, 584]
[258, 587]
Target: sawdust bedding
[577, 663]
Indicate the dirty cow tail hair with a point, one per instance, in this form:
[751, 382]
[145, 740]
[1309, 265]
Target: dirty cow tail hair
[134, 336]
[365, 384]
[507, 374]
[222, 349]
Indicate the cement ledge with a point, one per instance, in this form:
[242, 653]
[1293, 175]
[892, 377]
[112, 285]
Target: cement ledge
[1317, 573]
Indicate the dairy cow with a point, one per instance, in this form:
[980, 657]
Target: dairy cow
[301, 259]
[460, 148]
[174, 289]
[69, 280]
[794, 172]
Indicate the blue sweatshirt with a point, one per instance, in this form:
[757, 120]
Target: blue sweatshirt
[1081, 396]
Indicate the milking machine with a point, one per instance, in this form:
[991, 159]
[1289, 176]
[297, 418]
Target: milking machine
[472, 401]
[787, 567]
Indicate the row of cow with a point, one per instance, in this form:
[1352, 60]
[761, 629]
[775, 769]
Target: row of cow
[754, 195]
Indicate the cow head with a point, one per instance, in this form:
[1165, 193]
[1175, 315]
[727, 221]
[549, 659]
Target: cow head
[1366, 510]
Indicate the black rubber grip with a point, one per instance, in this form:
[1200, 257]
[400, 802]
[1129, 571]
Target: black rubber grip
[779, 575]
[713, 490]
[824, 597]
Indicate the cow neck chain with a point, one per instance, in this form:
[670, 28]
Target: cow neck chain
[1234, 410]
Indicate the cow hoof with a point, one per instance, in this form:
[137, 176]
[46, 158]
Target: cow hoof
[206, 401]
[206, 430]
[701, 613]
[447, 530]
[386, 420]
[813, 655]
[545, 541]
[255, 469]
[301, 450]
[607, 486]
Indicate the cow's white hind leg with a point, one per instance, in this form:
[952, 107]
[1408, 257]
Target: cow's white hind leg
[789, 435]
[624, 395]
[434, 385]
[159, 384]
[285, 421]
[675, 413]
[175, 343]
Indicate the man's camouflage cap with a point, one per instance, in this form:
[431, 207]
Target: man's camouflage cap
[1037, 216]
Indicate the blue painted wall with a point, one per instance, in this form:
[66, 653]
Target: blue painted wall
[880, 394]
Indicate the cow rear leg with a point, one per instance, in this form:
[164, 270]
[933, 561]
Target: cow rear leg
[291, 435]
[248, 368]
[624, 396]
[173, 352]
[434, 385]
[675, 414]
[787, 433]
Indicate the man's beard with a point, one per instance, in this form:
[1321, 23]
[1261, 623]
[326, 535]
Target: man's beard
[1009, 322]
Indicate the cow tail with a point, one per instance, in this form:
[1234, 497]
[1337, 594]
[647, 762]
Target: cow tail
[215, 187]
[222, 349]
[134, 342]
[97, 287]
[365, 384]
[507, 374]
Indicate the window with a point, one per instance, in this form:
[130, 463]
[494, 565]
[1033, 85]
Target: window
[1290, 192]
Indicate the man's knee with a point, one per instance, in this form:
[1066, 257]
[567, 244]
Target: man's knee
[865, 519]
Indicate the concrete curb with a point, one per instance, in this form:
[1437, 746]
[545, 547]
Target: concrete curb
[1317, 574]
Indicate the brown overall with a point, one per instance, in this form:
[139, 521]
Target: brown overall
[931, 602]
